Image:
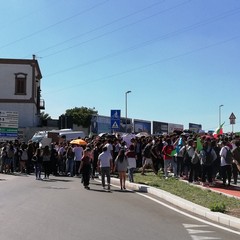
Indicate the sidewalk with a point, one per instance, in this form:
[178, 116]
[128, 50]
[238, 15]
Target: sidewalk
[221, 218]
[231, 191]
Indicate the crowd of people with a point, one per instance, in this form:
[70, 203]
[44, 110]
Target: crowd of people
[200, 159]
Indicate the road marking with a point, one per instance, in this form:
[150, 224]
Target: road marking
[188, 215]
[181, 212]
[203, 238]
[194, 231]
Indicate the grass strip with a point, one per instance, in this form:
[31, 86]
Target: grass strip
[202, 197]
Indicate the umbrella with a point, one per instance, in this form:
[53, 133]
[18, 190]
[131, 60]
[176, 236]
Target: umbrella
[78, 141]
[127, 138]
[142, 134]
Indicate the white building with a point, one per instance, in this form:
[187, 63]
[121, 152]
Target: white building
[20, 90]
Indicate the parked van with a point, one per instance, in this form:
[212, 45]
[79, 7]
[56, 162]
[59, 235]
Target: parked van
[47, 137]
[68, 136]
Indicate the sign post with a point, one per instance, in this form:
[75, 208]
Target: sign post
[232, 120]
[115, 119]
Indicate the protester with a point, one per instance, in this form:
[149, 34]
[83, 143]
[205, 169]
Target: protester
[121, 164]
[194, 165]
[85, 168]
[207, 157]
[131, 156]
[38, 159]
[23, 158]
[105, 166]
[69, 161]
[78, 154]
[147, 157]
[236, 161]
[46, 155]
[95, 153]
[168, 158]
[226, 167]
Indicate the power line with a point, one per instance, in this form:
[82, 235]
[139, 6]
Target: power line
[146, 65]
[53, 25]
[168, 35]
[120, 28]
[100, 27]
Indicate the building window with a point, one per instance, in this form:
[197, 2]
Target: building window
[20, 84]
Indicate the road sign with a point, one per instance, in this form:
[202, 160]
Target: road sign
[115, 119]
[232, 118]
[115, 125]
[8, 125]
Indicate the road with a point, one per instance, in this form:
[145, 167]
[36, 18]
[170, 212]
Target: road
[61, 209]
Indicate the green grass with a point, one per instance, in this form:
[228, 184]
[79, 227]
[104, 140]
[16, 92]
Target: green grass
[203, 197]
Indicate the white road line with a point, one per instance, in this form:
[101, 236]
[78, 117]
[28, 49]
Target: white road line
[188, 215]
[181, 212]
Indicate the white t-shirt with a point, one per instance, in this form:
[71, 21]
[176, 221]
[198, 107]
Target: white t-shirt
[105, 159]
[223, 154]
[78, 151]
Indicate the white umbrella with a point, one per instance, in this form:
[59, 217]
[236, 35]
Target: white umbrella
[142, 134]
[127, 138]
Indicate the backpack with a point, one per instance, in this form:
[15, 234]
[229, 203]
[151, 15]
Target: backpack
[208, 157]
[195, 158]
[10, 153]
[229, 156]
[146, 151]
[186, 157]
[24, 155]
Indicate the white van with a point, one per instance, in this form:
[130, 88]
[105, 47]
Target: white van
[46, 137]
[68, 136]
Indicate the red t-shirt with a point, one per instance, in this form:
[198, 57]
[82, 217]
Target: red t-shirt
[167, 150]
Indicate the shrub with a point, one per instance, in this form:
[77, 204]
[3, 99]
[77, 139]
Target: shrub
[218, 207]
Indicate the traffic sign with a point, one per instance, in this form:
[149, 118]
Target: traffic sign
[115, 125]
[115, 119]
[232, 118]
[8, 125]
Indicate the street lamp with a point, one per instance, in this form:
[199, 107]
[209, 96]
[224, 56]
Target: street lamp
[220, 114]
[126, 93]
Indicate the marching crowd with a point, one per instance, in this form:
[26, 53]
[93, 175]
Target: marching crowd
[200, 159]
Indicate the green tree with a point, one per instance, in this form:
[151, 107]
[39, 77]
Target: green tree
[43, 118]
[81, 115]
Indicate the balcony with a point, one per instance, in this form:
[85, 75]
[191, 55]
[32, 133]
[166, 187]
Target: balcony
[42, 104]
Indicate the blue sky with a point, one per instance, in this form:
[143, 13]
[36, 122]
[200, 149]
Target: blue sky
[179, 58]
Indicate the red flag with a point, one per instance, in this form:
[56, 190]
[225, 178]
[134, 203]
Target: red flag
[218, 131]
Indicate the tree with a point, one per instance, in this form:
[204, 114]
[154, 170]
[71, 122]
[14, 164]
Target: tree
[81, 116]
[43, 118]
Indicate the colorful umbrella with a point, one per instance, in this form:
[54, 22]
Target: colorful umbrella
[78, 141]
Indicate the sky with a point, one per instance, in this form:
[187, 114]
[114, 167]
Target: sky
[179, 58]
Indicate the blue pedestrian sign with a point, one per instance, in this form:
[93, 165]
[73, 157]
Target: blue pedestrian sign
[115, 119]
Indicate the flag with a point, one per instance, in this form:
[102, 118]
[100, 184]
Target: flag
[179, 145]
[218, 131]
[199, 144]
[174, 151]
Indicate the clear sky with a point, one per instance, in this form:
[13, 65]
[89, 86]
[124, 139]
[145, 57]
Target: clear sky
[179, 58]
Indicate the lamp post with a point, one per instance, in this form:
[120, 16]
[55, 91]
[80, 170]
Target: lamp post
[126, 93]
[220, 106]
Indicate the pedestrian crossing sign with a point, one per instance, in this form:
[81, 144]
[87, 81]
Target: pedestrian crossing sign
[115, 119]
[115, 125]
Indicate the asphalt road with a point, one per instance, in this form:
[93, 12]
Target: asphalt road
[61, 209]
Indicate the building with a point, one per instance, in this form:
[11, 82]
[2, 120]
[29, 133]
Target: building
[20, 90]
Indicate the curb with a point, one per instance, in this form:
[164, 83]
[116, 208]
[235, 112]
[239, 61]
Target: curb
[220, 218]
